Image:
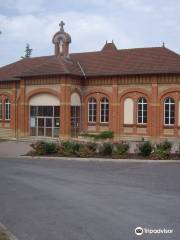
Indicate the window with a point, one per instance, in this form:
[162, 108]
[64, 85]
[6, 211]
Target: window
[104, 110]
[92, 106]
[169, 111]
[0, 109]
[7, 109]
[142, 111]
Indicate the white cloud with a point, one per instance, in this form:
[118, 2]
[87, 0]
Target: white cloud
[128, 23]
[88, 32]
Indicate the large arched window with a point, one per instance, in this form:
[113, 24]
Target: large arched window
[7, 109]
[104, 106]
[169, 111]
[142, 111]
[92, 108]
[0, 109]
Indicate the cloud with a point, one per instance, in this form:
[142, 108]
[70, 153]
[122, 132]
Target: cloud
[23, 6]
[130, 23]
[88, 31]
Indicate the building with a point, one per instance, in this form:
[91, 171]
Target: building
[133, 92]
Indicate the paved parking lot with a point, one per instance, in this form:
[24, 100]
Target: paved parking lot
[71, 200]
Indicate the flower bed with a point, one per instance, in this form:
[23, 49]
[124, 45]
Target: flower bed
[117, 150]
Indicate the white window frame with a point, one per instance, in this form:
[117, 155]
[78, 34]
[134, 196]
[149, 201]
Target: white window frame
[105, 109]
[169, 113]
[92, 101]
[141, 101]
[7, 110]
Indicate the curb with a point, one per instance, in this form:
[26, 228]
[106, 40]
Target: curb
[100, 159]
[7, 232]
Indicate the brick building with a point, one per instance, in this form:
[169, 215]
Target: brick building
[133, 92]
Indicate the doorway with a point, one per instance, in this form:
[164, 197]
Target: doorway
[45, 121]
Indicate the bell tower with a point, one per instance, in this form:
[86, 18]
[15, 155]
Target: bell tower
[61, 40]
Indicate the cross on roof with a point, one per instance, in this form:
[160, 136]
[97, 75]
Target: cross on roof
[62, 26]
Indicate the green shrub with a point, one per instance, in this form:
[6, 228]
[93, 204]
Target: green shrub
[67, 148]
[162, 150]
[120, 149]
[84, 151]
[50, 148]
[102, 135]
[145, 149]
[159, 153]
[42, 148]
[166, 145]
[106, 149]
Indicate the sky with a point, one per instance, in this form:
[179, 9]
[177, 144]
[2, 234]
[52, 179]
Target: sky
[129, 23]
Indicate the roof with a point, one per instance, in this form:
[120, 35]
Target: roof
[107, 62]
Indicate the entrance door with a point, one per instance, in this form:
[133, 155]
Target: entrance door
[45, 127]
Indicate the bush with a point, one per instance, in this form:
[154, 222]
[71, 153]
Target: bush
[145, 149]
[105, 135]
[42, 148]
[106, 149]
[84, 151]
[162, 150]
[102, 135]
[50, 148]
[159, 153]
[166, 145]
[68, 148]
[120, 149]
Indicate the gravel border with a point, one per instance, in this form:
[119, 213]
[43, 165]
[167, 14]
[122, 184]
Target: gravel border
[7, 232]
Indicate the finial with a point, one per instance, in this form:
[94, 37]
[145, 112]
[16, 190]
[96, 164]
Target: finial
[62, 26]
[163, 45]
[106, 41]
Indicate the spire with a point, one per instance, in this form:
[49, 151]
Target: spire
[163, 45]
[62, 24]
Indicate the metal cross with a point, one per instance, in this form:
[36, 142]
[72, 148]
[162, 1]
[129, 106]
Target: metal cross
[62, 26]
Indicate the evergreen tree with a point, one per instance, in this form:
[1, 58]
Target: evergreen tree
[28, 51]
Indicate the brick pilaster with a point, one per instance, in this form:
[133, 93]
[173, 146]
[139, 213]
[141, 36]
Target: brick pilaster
[65, 128]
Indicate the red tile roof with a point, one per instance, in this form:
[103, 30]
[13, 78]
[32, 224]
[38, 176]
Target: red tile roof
[109, 61]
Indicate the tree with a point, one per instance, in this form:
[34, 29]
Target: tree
[28, 51]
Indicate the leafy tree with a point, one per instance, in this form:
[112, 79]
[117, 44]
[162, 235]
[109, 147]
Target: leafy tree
[28, 51]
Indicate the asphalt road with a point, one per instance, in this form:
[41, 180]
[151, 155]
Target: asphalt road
[69, 200]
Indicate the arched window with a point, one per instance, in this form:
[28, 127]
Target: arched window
[142, 111]
[92, 107]
[0, 109]
[7, 109]
[104, 106]
[169, 111]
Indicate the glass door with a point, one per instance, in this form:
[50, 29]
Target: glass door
[40, 126]
[48, 127]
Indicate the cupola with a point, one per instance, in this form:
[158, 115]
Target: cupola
[61, 41]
